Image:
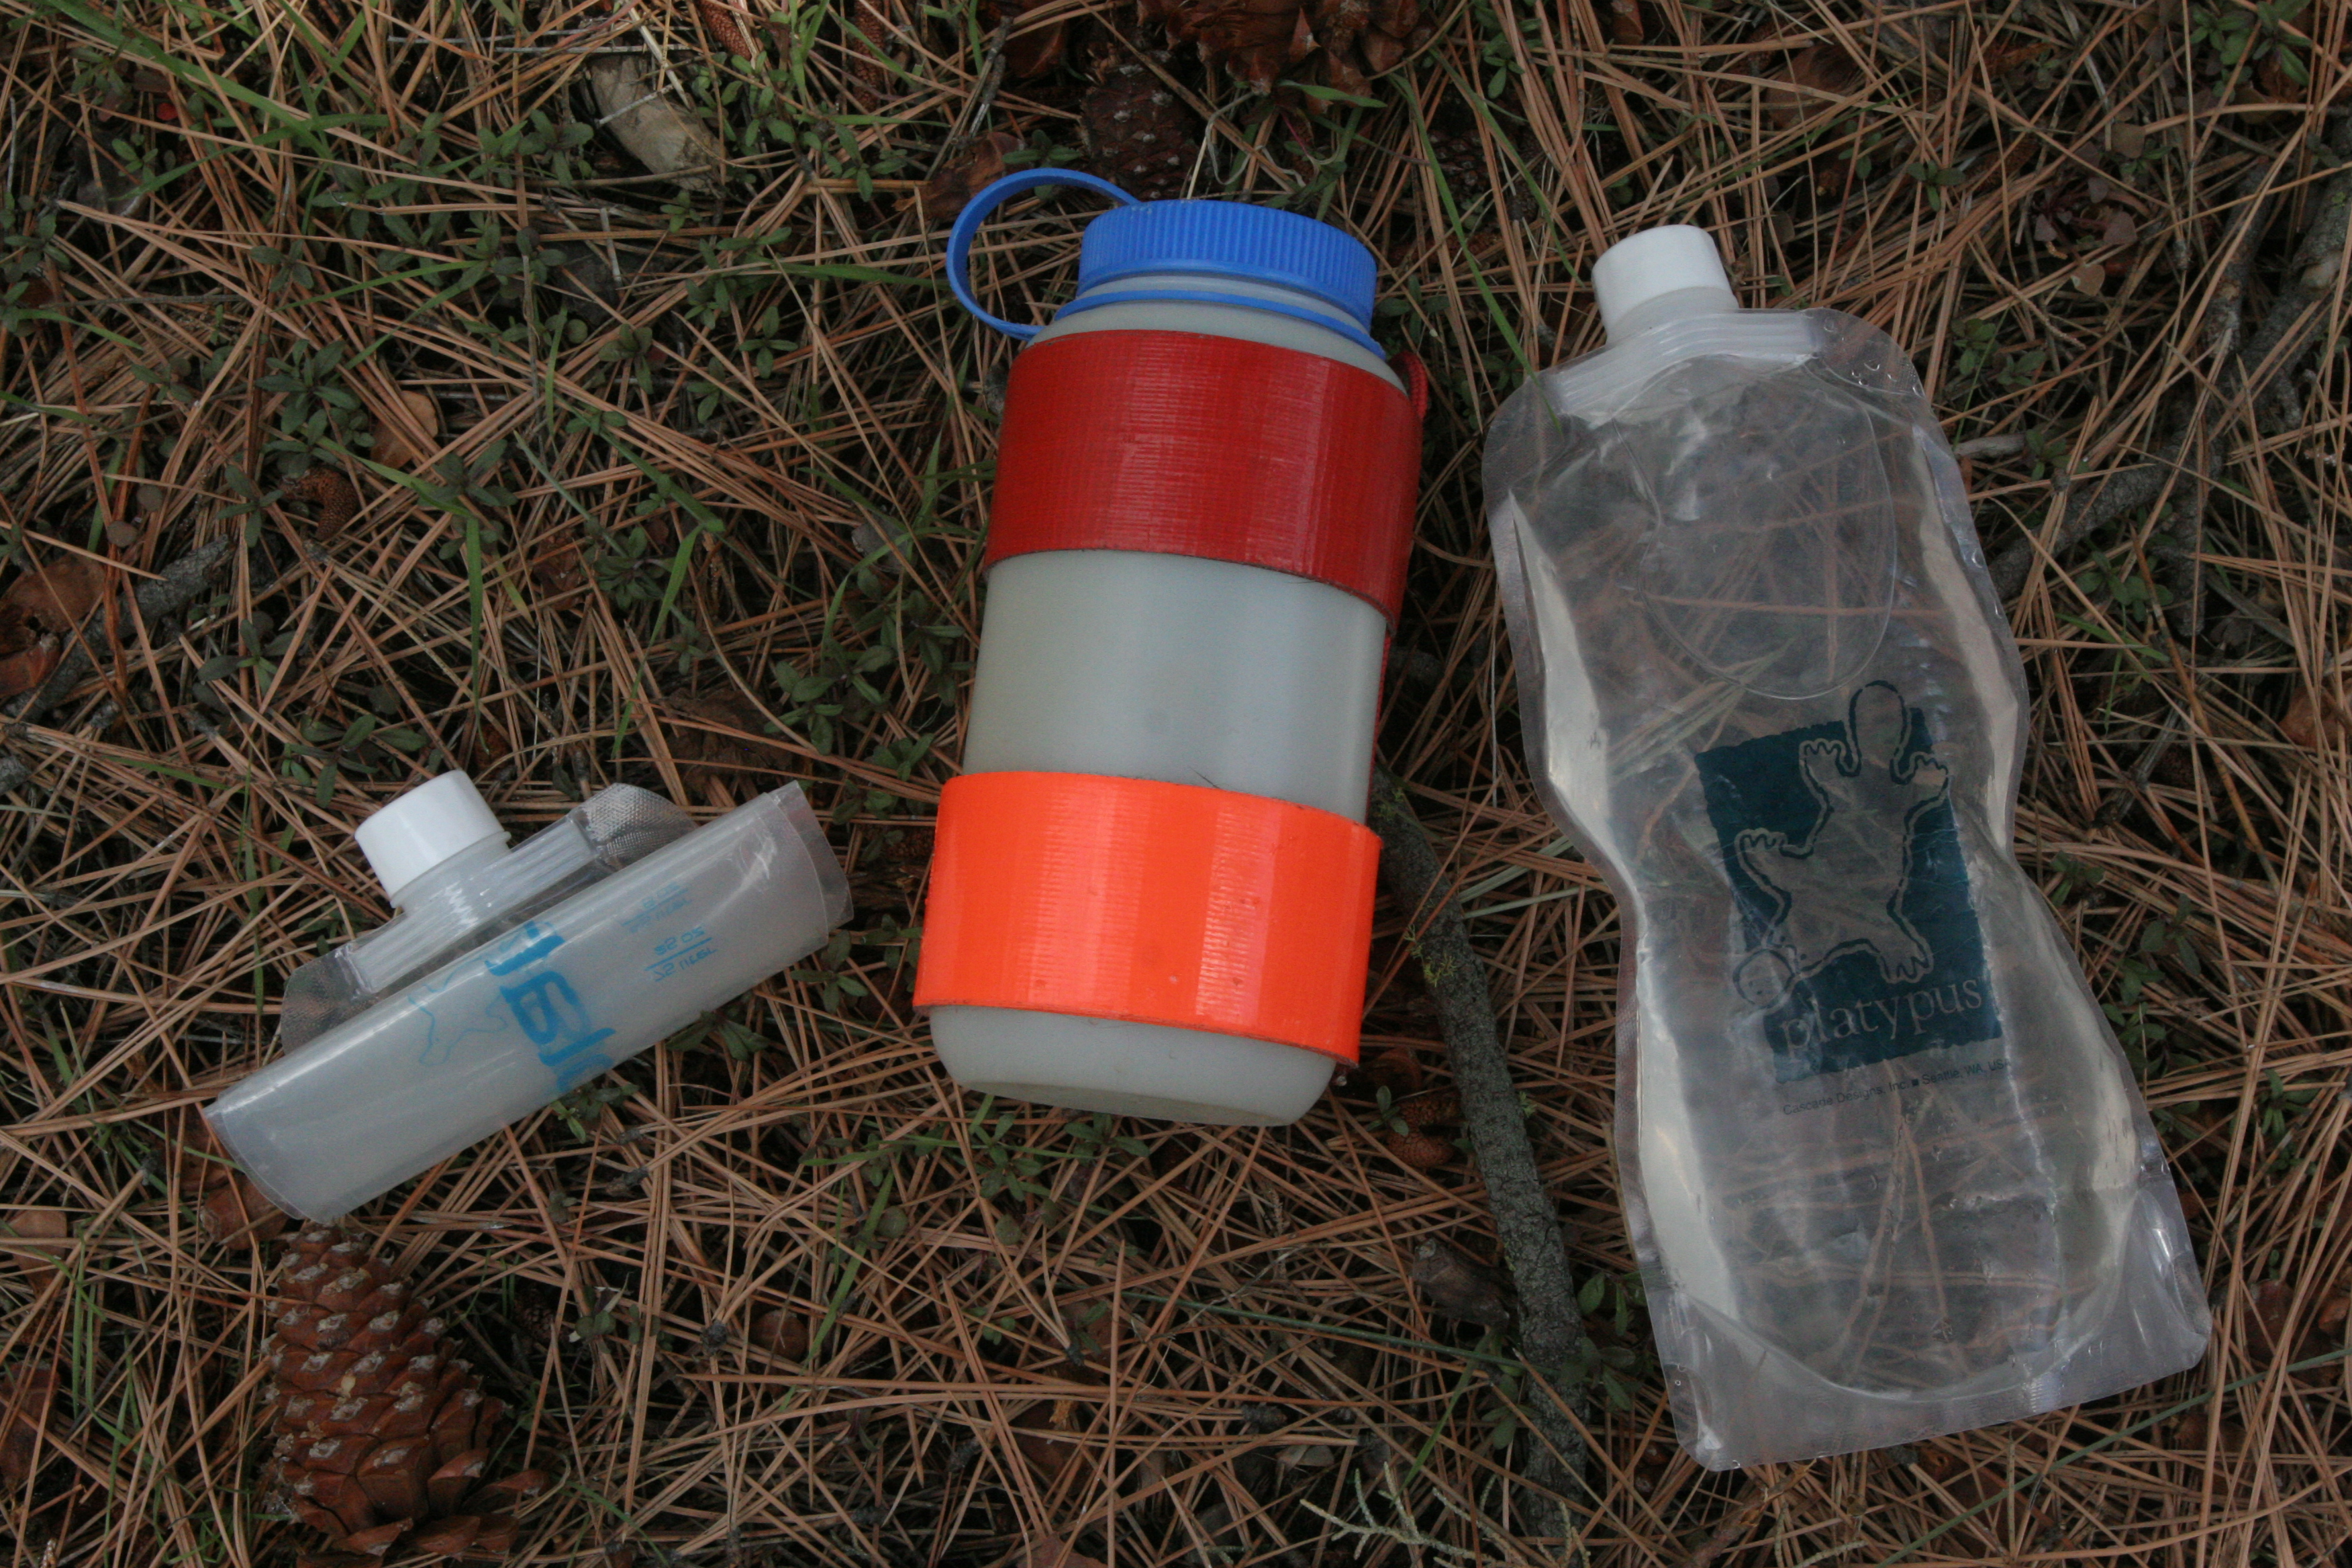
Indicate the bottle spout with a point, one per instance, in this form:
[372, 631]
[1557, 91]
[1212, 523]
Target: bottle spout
[1660, 275]
[427, 828]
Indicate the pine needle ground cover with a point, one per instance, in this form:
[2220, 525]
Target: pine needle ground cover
[570, 393]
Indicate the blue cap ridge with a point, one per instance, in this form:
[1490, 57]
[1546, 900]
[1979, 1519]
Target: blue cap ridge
[1231, 239]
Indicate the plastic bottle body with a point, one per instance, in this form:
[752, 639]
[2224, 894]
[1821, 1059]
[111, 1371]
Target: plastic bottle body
[467, 897]
[1142, 665]
[1885, 1166]
[493, 1036]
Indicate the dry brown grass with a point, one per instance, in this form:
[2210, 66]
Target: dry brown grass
[761, 445]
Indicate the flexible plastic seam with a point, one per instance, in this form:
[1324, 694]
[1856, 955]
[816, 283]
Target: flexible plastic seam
[1190, 445]
[1156, 903]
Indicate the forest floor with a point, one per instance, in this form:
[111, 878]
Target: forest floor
[571, 394]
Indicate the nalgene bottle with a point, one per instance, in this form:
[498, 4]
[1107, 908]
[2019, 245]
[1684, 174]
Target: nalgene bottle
[512, 975]
[1152, 889]
[1886, 1170]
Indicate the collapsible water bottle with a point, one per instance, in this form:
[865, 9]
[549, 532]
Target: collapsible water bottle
[1884, 1164]
[1152, 887]
[511, 976]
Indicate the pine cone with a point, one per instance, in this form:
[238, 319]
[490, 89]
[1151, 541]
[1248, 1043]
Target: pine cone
[1140, 136]
[1031, 51]
[381, 1433]
[1339, 42]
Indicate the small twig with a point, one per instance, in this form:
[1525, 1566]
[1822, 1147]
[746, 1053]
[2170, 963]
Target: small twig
[1736, 1524]
[2291, 326]
[1551, 1336]
[2126, 491]
[2176, 552]
[166, 594]
[992, 80]
[2110, 810]
[2186, 448]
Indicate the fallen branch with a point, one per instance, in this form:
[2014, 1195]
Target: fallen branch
[2128, 491]
[1551, 1336]
[2291, 326]
[2264, 364]
[165, 594]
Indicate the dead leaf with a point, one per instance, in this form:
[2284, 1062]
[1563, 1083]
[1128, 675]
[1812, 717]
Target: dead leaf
[1029, 51]
[2128, 141]
[37, 613]
[982, 164]
[2312, 720]
[42, 1236]
[718, 766]
[560, 569]
[2191, 1431]
[1808, 85]
[1625, 21]
[1035, 1433]
[1457, 1286]
[406, 438]
[659, 133]
[31, 664]
[725, 27]
[1052, 1552]
[235, 1214]
[331, 494]
[2091, 278]
[2272, 1301]
[24, 1414]
[238, 1217]
[784, 1334]
[59, 594]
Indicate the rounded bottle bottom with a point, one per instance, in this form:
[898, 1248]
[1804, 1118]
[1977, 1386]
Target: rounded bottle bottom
[1127, 1069]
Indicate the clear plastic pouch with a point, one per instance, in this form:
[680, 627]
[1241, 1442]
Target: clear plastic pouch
[513, 976]
[466, 906]
[1886, 1167]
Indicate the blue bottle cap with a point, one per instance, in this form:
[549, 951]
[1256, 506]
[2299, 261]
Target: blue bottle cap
[1231, 239]
[1205, 239]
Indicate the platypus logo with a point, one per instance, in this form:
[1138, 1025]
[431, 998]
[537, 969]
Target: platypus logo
[1843, 884]
[1844, 857]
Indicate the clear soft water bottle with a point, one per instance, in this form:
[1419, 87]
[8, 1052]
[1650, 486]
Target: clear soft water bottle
[1153, 892]
[1886, 1167]
[511, 976]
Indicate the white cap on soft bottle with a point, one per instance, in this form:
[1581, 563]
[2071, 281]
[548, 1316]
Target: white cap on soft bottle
[1657, 275]
[443, 817]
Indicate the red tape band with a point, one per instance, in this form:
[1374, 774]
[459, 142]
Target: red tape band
[1189, 444]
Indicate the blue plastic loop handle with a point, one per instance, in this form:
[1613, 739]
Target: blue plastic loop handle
[975, 213]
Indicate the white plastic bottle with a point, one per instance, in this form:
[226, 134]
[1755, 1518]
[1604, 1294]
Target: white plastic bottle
[1203, 504]
[514, 975]
[1885, 1168]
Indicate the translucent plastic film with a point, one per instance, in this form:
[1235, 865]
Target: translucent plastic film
[468, 904]
[488, 1038]
[1886, 1170]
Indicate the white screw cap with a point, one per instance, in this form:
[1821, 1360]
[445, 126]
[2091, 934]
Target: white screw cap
[1655, 263]
[419, 830]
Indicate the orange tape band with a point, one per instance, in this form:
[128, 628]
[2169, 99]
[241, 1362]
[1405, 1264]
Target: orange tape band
[1158, 903]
